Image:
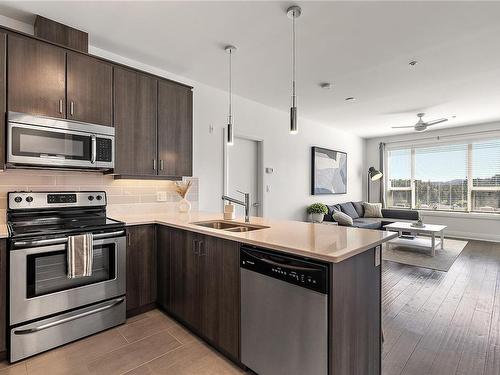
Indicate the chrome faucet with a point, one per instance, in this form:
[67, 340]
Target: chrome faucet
[246, 203]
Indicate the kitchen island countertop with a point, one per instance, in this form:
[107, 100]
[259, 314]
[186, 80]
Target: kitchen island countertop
[316, 241]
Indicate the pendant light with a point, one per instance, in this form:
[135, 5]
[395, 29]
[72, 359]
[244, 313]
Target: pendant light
[293, 12]
[230, 131]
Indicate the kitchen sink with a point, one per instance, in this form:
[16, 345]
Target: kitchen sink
[229, 226]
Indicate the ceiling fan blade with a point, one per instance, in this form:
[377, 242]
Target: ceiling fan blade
[434, 122]
[401, 127]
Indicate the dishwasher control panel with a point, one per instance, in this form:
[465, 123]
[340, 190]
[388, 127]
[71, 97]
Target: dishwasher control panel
[304, 273]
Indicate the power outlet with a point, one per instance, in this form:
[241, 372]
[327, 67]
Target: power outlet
[161, 196]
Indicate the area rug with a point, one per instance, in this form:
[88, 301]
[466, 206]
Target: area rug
[421, 257]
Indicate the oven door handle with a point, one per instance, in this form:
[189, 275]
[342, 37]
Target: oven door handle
[63, 240]
[69, 319]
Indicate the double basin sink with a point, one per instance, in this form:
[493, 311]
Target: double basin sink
[229, 226]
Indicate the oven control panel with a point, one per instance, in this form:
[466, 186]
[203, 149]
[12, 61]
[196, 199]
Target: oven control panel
[22, 200]
[61, 198]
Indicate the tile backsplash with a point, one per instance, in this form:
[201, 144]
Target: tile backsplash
[124, 196]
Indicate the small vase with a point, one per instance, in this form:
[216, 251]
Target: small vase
[317, 218]
[184, 206]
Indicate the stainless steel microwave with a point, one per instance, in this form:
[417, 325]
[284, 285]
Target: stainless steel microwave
[37, 141]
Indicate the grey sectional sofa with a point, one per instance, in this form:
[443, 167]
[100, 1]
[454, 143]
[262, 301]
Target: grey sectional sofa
[356, 211]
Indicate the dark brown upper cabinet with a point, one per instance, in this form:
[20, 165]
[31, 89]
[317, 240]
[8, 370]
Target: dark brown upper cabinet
[3, 95]
[175, 129]
[154, 126]
[135, 108]
[36, 77]
[50, 81]
[89, 89]
[153, 116]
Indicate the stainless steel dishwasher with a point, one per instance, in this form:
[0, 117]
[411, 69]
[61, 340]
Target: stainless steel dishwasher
[284, 314]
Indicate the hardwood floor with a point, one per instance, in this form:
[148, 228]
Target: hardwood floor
[445, 323]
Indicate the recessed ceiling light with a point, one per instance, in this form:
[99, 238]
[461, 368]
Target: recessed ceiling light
[413, 62]
[325, 85]
[350, 98]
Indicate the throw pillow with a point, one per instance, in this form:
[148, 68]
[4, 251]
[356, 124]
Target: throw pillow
[342, 218]
[358, 206]
[372, 209]
[349, 209]
[331, 210]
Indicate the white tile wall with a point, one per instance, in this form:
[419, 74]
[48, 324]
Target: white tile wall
[123, 195]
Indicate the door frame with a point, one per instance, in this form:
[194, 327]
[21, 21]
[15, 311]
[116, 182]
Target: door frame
[260, 167]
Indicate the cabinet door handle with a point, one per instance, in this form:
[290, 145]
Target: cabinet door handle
[61, 106]
[71, 108]
[201, 248]
[154, 164]
[195, 247]
[128, 239]
[161, 165]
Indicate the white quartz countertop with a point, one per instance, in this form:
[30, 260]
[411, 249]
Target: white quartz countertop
[318, 241]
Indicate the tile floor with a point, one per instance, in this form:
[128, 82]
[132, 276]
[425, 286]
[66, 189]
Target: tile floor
[150, 343]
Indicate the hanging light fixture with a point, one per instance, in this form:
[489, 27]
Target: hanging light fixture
[293, 12]
[230, 131]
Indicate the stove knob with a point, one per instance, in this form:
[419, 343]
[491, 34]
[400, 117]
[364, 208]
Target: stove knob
[99, 197]
[18, 199]
[91, 197]
[29, 199]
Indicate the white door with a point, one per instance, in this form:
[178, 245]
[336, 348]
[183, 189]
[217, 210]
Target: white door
[244, 173]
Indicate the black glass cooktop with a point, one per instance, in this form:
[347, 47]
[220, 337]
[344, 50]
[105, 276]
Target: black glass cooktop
[53, 223]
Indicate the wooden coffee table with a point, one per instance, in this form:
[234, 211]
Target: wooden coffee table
[429, 229]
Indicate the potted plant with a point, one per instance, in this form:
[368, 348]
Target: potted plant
[317, 212]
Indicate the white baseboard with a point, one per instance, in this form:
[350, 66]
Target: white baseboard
[473, 236]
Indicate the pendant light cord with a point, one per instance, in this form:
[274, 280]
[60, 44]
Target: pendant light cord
[230, 86]
[293, 61]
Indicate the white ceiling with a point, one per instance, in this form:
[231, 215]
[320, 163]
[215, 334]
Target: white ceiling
[363, 48]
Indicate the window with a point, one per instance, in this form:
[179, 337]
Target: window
[485, 164]
[399, 192]
[462, 177]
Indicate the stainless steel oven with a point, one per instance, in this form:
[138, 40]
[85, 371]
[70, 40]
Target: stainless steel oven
[46, 307]
[49, 142]
[39, 285]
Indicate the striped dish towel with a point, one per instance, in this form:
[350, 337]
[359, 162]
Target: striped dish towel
[80, 255]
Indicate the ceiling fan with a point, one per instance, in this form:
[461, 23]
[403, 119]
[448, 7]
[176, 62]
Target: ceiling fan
[422, 125]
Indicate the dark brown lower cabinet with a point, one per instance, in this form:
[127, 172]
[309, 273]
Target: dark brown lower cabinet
[178, 275]
[3, 297]
[199, 283]
[141, 268]
[355, 314]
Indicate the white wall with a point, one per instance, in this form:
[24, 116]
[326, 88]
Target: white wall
[290, 156]
[474, 226]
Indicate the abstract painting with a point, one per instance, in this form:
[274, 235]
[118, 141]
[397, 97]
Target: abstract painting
[329, 171]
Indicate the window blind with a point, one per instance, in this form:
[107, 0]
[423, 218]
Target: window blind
[441, 177]
[463, 176]
[486, 163]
